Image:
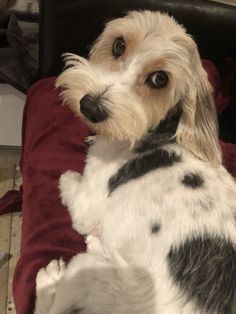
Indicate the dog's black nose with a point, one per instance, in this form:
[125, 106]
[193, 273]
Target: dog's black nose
[92, 109]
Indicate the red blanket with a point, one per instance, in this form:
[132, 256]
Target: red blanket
[53, 143]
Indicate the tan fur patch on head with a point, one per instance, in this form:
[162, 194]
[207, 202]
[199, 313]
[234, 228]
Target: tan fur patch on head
[135, 28]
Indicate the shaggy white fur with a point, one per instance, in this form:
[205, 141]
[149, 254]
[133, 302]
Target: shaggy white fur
[157, 206]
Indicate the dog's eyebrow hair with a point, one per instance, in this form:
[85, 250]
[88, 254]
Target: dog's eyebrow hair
[141, 165]
[204, 268]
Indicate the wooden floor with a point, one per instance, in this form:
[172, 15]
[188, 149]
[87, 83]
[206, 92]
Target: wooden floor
[10, 225]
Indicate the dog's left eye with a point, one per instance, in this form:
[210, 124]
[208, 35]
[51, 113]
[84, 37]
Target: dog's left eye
[118, 47]
[157, 79]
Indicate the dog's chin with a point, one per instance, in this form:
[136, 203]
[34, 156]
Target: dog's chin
[97, 127]
[110, 134]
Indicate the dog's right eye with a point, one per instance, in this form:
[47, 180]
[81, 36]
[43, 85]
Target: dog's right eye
[157, 79]
[118, 47]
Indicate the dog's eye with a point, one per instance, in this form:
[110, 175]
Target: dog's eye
[157, 79]
[118, 47]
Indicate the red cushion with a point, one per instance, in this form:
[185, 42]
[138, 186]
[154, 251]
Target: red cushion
[52, 143]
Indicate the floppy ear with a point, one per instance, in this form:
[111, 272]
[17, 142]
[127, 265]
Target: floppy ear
[198, 127]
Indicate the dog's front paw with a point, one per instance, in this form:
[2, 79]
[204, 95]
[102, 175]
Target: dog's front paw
[46, 285]
[48, 277]
[93, 244]
[68, 184]
[69, 177]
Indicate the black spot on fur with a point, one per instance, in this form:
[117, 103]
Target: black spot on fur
[161, 135]
[141, 165]
[155, 228]
[75, 311]
[193, 180]
[205, 269]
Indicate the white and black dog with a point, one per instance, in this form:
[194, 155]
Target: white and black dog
[157, 206]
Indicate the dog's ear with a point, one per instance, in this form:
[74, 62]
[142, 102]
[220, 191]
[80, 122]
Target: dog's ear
[198, 127]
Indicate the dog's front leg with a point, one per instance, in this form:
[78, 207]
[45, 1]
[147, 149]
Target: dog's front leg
[83, 207]
[47, 281]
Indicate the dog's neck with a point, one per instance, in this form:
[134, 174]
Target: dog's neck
[160, 135]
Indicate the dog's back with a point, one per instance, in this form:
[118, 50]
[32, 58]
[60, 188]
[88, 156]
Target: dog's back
[175, 216]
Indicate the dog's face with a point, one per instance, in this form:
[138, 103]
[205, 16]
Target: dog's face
[143, 67]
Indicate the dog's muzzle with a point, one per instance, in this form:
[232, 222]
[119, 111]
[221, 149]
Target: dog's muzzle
[92, 109]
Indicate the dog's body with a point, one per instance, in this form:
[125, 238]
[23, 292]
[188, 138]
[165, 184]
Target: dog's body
[160, 213]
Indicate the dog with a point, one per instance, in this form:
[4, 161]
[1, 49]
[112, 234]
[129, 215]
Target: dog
[156, 204]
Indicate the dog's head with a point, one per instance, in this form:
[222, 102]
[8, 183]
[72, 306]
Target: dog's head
[141, 69]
